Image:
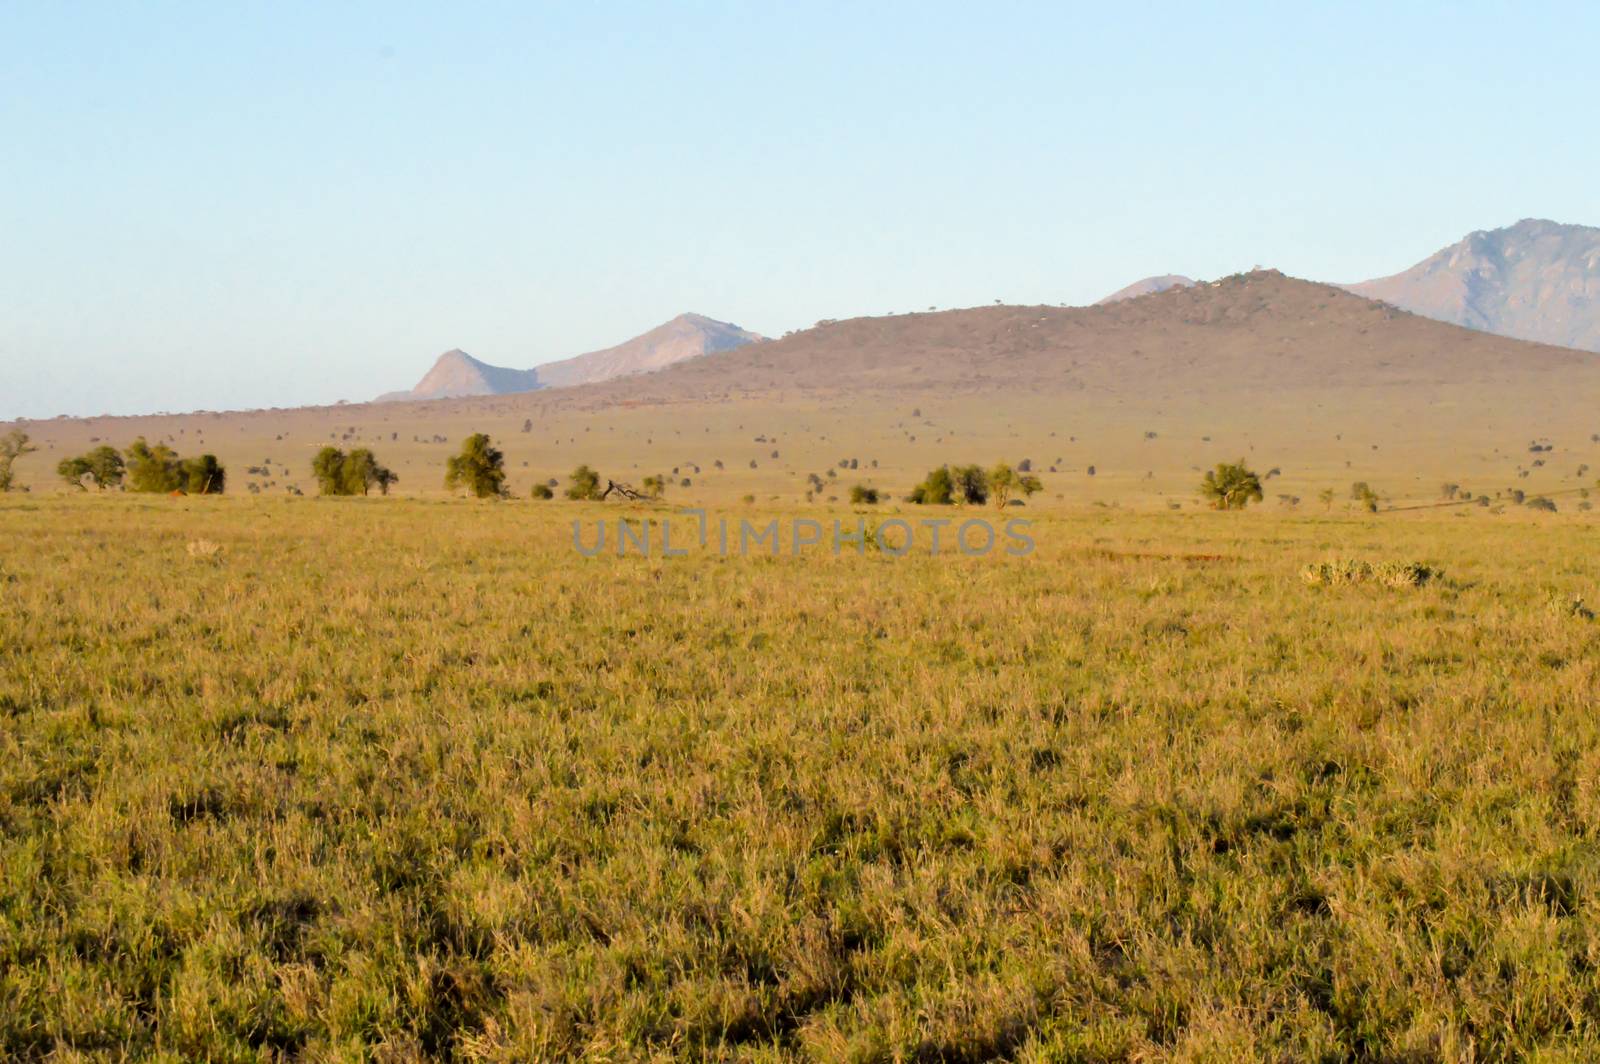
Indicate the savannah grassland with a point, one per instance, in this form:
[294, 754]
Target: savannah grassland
[406, 779]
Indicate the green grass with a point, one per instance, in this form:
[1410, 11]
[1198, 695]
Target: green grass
[393, 779]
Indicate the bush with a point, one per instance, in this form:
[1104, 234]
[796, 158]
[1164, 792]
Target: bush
[862, 495]
[203, 475]
[937, 489]
[542, 491]
[479, 468]
[152, 469]
[1231, 486]
[1542, 503]
[1005, 482]
[585, 485]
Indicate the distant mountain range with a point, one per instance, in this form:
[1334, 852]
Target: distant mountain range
[456, 374]
[1536, 280]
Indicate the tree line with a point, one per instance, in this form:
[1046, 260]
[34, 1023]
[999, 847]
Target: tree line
[144, 468]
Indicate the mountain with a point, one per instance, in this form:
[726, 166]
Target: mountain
[1148, 286]
[1536, 280]
[1260, 332]
[684, 337]
[457, 374]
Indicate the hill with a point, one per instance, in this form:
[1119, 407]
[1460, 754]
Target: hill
[684, 337]
[457, 374]
[1148, 287]
[1536, 280]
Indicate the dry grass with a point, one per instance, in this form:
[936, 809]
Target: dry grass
[407, 780]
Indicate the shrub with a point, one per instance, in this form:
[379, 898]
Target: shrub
[863, 495]
[542, 491]
[585, 485]
[1542, 503]
[936, 489]
[155, 470]
[1004, 482]
[972, 484]
[203, 475]
[479, 468]
[1231, 486]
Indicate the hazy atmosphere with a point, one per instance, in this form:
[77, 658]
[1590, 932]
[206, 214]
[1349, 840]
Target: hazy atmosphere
[218, 207]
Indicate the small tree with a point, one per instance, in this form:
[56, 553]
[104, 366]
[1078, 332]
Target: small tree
[328, 469]
[585, 486]
[654, 487]
[479, 468]
[153, 469]
[1231, 487]
[1327, 495]
[73, 470]
[363, 472]
[1004, 482]
[356, 473]
[105, 467]
[13, 445]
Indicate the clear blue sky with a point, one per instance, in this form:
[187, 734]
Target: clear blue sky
[231, 205]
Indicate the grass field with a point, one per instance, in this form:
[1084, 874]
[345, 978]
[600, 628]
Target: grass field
[408, 779]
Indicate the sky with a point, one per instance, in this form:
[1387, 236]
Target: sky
[230, 206]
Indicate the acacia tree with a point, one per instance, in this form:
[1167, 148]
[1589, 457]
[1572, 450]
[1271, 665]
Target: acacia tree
[13, 445]
[479, 468]
[73, 470]
[654, 487]
[105, 467]
[1231, 486]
